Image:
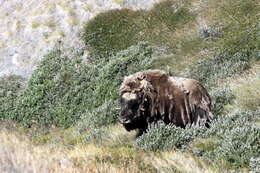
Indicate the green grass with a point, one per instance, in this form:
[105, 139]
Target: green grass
[115, 30]
[201, 145]
[112, 31]
[247, 94]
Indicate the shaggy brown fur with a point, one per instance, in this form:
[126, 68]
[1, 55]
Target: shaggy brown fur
[153, 95]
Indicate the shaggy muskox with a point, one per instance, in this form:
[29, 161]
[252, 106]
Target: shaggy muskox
[153, 95]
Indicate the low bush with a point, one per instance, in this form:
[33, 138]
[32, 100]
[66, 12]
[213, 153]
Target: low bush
[231, 139]
[238, 139]
[233, 53]
[255, 165]
[62, 89]
[10, 88]
[210, 32]
[221, 66]
[220, 98]
[161, 137]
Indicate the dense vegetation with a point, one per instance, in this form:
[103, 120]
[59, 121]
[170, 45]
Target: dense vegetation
[10, 87]
[116, 30]
[82, 98]
[220, 143]
[62, 89]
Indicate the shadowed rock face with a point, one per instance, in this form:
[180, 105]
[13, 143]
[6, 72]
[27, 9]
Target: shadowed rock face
[29, 28]
[153, 95]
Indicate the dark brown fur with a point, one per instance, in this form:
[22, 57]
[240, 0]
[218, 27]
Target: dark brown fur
[153, 95]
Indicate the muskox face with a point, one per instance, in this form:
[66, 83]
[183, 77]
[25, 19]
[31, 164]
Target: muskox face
[132, 111]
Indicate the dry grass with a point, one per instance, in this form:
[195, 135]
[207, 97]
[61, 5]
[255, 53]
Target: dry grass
[179, 162]
[19, 155]
[117, 154]
[247, 89]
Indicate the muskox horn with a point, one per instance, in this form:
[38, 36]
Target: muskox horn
[129, 96]
[144, 84]
[141, 77]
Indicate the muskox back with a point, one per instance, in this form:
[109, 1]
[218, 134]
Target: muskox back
[198, 101]
[153, 95]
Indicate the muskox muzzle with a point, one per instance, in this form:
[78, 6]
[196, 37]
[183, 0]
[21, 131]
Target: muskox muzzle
[127, 119]
[128, 125]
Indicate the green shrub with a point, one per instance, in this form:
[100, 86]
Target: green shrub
[116, 30]
[233, 51]
[10, 88]
[210, 32]
[161, 137]
[62, 89]
[237, 139]
[170, 14]
[255, 165]
[223, 65]
[220, 98]
[112, 31]
[102, 116]
[42, 101]
[240, 144]
[231, 139]
[224, 123]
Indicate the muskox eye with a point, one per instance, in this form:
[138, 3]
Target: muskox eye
[121, 101]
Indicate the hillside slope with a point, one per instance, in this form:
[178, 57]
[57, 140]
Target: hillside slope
[65, 117]
[30, 28]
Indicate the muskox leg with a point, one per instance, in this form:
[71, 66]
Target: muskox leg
[201, 117]
[140, 132]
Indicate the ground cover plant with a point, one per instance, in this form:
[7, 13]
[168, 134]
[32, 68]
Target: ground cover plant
[10, 88]
[220, 143]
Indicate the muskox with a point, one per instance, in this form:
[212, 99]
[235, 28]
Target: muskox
[149, 96]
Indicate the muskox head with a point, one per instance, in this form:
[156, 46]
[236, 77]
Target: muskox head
[135, 101]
